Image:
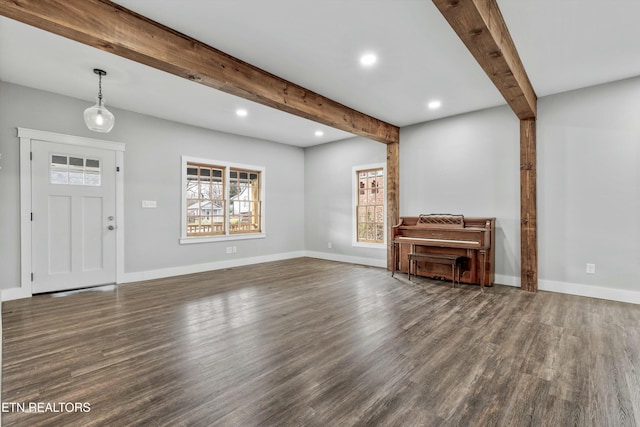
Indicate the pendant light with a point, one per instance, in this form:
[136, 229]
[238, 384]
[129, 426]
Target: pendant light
[98, 118]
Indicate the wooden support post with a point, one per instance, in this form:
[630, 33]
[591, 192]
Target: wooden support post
[393, 195]
[481, 27]
[528, 209]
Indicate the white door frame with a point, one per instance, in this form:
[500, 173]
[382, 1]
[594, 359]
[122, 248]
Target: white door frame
[26, 136]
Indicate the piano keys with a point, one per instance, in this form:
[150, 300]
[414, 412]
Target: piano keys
[471, 238]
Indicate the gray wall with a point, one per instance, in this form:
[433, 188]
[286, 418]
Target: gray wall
[589, 185]
[152, 172]
[328, 187]
[588, 182]
[470, 165]
[588, 197]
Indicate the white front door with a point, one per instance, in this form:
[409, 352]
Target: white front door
[73, 202]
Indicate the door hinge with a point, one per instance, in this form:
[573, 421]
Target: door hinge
[31, 216]
[117, 168]
[32, 277]
[30, 155]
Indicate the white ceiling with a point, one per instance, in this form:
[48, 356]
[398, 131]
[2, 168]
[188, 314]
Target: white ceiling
[564, 45]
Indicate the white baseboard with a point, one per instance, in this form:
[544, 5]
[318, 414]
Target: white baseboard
[209, 266]
[1, 357]
[507, 280]
[348, 259]
[578, 289]
[15, 293]
[611, 294]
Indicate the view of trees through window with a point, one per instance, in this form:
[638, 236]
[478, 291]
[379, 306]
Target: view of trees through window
[205, 200]
[370, 208]
[210, 213]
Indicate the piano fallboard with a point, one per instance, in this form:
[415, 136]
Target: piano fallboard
[474, 238]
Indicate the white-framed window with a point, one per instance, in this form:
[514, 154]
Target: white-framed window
[369, 205]
[221, 201]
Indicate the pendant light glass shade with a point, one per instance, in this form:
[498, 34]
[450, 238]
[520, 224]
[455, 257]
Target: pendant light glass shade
[98, 118]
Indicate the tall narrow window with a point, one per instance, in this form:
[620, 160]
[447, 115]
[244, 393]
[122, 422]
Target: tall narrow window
[244, 201]
[370, 205]
[205, 200]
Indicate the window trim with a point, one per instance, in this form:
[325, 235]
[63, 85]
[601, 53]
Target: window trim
[184, 239]
[354, 206]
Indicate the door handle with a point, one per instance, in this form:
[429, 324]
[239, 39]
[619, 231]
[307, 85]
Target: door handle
[111, 227]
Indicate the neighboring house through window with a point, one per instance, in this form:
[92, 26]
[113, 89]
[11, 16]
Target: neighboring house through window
[221, 200]
[370, 203]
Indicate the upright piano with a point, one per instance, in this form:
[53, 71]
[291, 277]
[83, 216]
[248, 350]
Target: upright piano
[472, 239]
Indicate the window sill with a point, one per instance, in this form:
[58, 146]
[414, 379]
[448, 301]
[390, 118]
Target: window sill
[224, 238]
[369, 245]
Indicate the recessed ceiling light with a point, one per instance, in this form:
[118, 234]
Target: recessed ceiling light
[368, 59]
[434, 104]
[242, 112]
[319, 133]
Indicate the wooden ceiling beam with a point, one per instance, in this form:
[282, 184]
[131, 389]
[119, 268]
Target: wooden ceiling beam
[115, 29]
[481, 27]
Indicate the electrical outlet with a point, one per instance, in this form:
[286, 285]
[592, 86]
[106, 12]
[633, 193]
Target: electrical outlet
[329, 245]
[591, 269]
[229, 249]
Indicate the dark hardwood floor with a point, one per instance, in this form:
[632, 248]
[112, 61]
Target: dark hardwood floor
[317, 343]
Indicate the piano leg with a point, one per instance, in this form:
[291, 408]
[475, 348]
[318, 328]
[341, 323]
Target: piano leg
[484, 269]
[413, 262]
[473, 276]
[393, 259]
[453, 273]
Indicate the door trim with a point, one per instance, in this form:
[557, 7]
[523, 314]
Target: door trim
[25, 137]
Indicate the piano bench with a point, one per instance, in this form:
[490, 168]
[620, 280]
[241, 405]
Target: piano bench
[454, 261]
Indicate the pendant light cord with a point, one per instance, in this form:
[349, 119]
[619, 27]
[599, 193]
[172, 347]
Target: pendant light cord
[100, 90]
